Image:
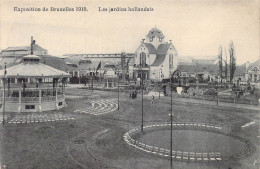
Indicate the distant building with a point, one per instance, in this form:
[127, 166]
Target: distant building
[88, 64]
[252, 73]
[14, 55]
[24, 50]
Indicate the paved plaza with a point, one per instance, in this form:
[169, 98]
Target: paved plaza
[92, 133]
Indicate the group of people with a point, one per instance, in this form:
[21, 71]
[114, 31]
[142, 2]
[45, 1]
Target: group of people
[133, 95]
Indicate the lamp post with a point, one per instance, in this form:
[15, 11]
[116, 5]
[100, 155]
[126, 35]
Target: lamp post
[117, 88]
[92, 80]
[159, 82]
[171, 76]
[142, 125]
[217, 91]
[4, 97]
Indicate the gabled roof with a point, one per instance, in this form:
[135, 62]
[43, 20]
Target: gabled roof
[256, 63]
[17, 48]
[159, 59]
[163, 48]
[24, 48]
[155, 32]
[150, 48]
[33, 70]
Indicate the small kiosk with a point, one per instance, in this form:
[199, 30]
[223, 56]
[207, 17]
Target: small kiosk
[110, 79]
[32, 86]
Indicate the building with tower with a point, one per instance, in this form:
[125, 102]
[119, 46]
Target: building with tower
[154, 58]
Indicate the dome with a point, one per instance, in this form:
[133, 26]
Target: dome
[155, 32]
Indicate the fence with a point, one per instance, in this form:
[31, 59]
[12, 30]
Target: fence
[227, 99]
[176, 155]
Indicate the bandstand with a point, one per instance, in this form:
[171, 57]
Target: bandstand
[32, 86]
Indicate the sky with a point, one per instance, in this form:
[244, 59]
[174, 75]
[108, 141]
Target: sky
[197, 27]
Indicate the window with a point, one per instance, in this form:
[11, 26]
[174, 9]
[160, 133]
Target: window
[29, 106]
[170, 61]
[142, 59]
[160, 39]
[255, 69]
[60, 103]
[151, 39]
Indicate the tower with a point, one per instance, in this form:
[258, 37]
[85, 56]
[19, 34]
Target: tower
[155, 37]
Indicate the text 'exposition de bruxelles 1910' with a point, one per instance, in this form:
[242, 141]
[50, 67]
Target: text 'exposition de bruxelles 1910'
[71, 9]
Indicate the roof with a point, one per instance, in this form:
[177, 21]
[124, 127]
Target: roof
[163, 48]
[24, 48]
[198, 68]
[33, 69]
[159, 59]
[108, 66]
[31, 57]
[150, 48]
[46, 59]
[20, 48]
[55, 62]
[155, 32]
[256, 63]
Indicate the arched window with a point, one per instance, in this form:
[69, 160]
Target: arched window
[170, 61]
[142, 59]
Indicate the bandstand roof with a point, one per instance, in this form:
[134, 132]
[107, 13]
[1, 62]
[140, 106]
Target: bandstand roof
[33, 69]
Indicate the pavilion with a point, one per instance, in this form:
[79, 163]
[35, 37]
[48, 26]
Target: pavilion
[32, 86]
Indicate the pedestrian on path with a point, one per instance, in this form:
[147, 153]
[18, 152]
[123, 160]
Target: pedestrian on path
[152, 99]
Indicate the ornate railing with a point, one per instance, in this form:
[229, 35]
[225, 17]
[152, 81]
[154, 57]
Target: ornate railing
[31, 99]
[48, 98]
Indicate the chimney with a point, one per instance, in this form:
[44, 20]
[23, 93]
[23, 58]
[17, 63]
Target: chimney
[31, 45]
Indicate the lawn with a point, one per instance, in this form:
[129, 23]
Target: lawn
[95, 141]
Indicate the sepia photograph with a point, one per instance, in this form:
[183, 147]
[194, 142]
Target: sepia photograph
[134, 84]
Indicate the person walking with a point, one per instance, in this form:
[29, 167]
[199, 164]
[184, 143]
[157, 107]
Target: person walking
[152, 99]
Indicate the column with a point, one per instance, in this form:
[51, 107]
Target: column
[20, 101]
[40, 100]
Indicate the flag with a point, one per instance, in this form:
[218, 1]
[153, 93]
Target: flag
[99, 66]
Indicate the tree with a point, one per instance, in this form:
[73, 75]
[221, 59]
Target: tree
[220, 62]
[226, 66]
[232, 58]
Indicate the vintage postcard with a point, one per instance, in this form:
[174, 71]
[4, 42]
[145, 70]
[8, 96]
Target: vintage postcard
[134, 84]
